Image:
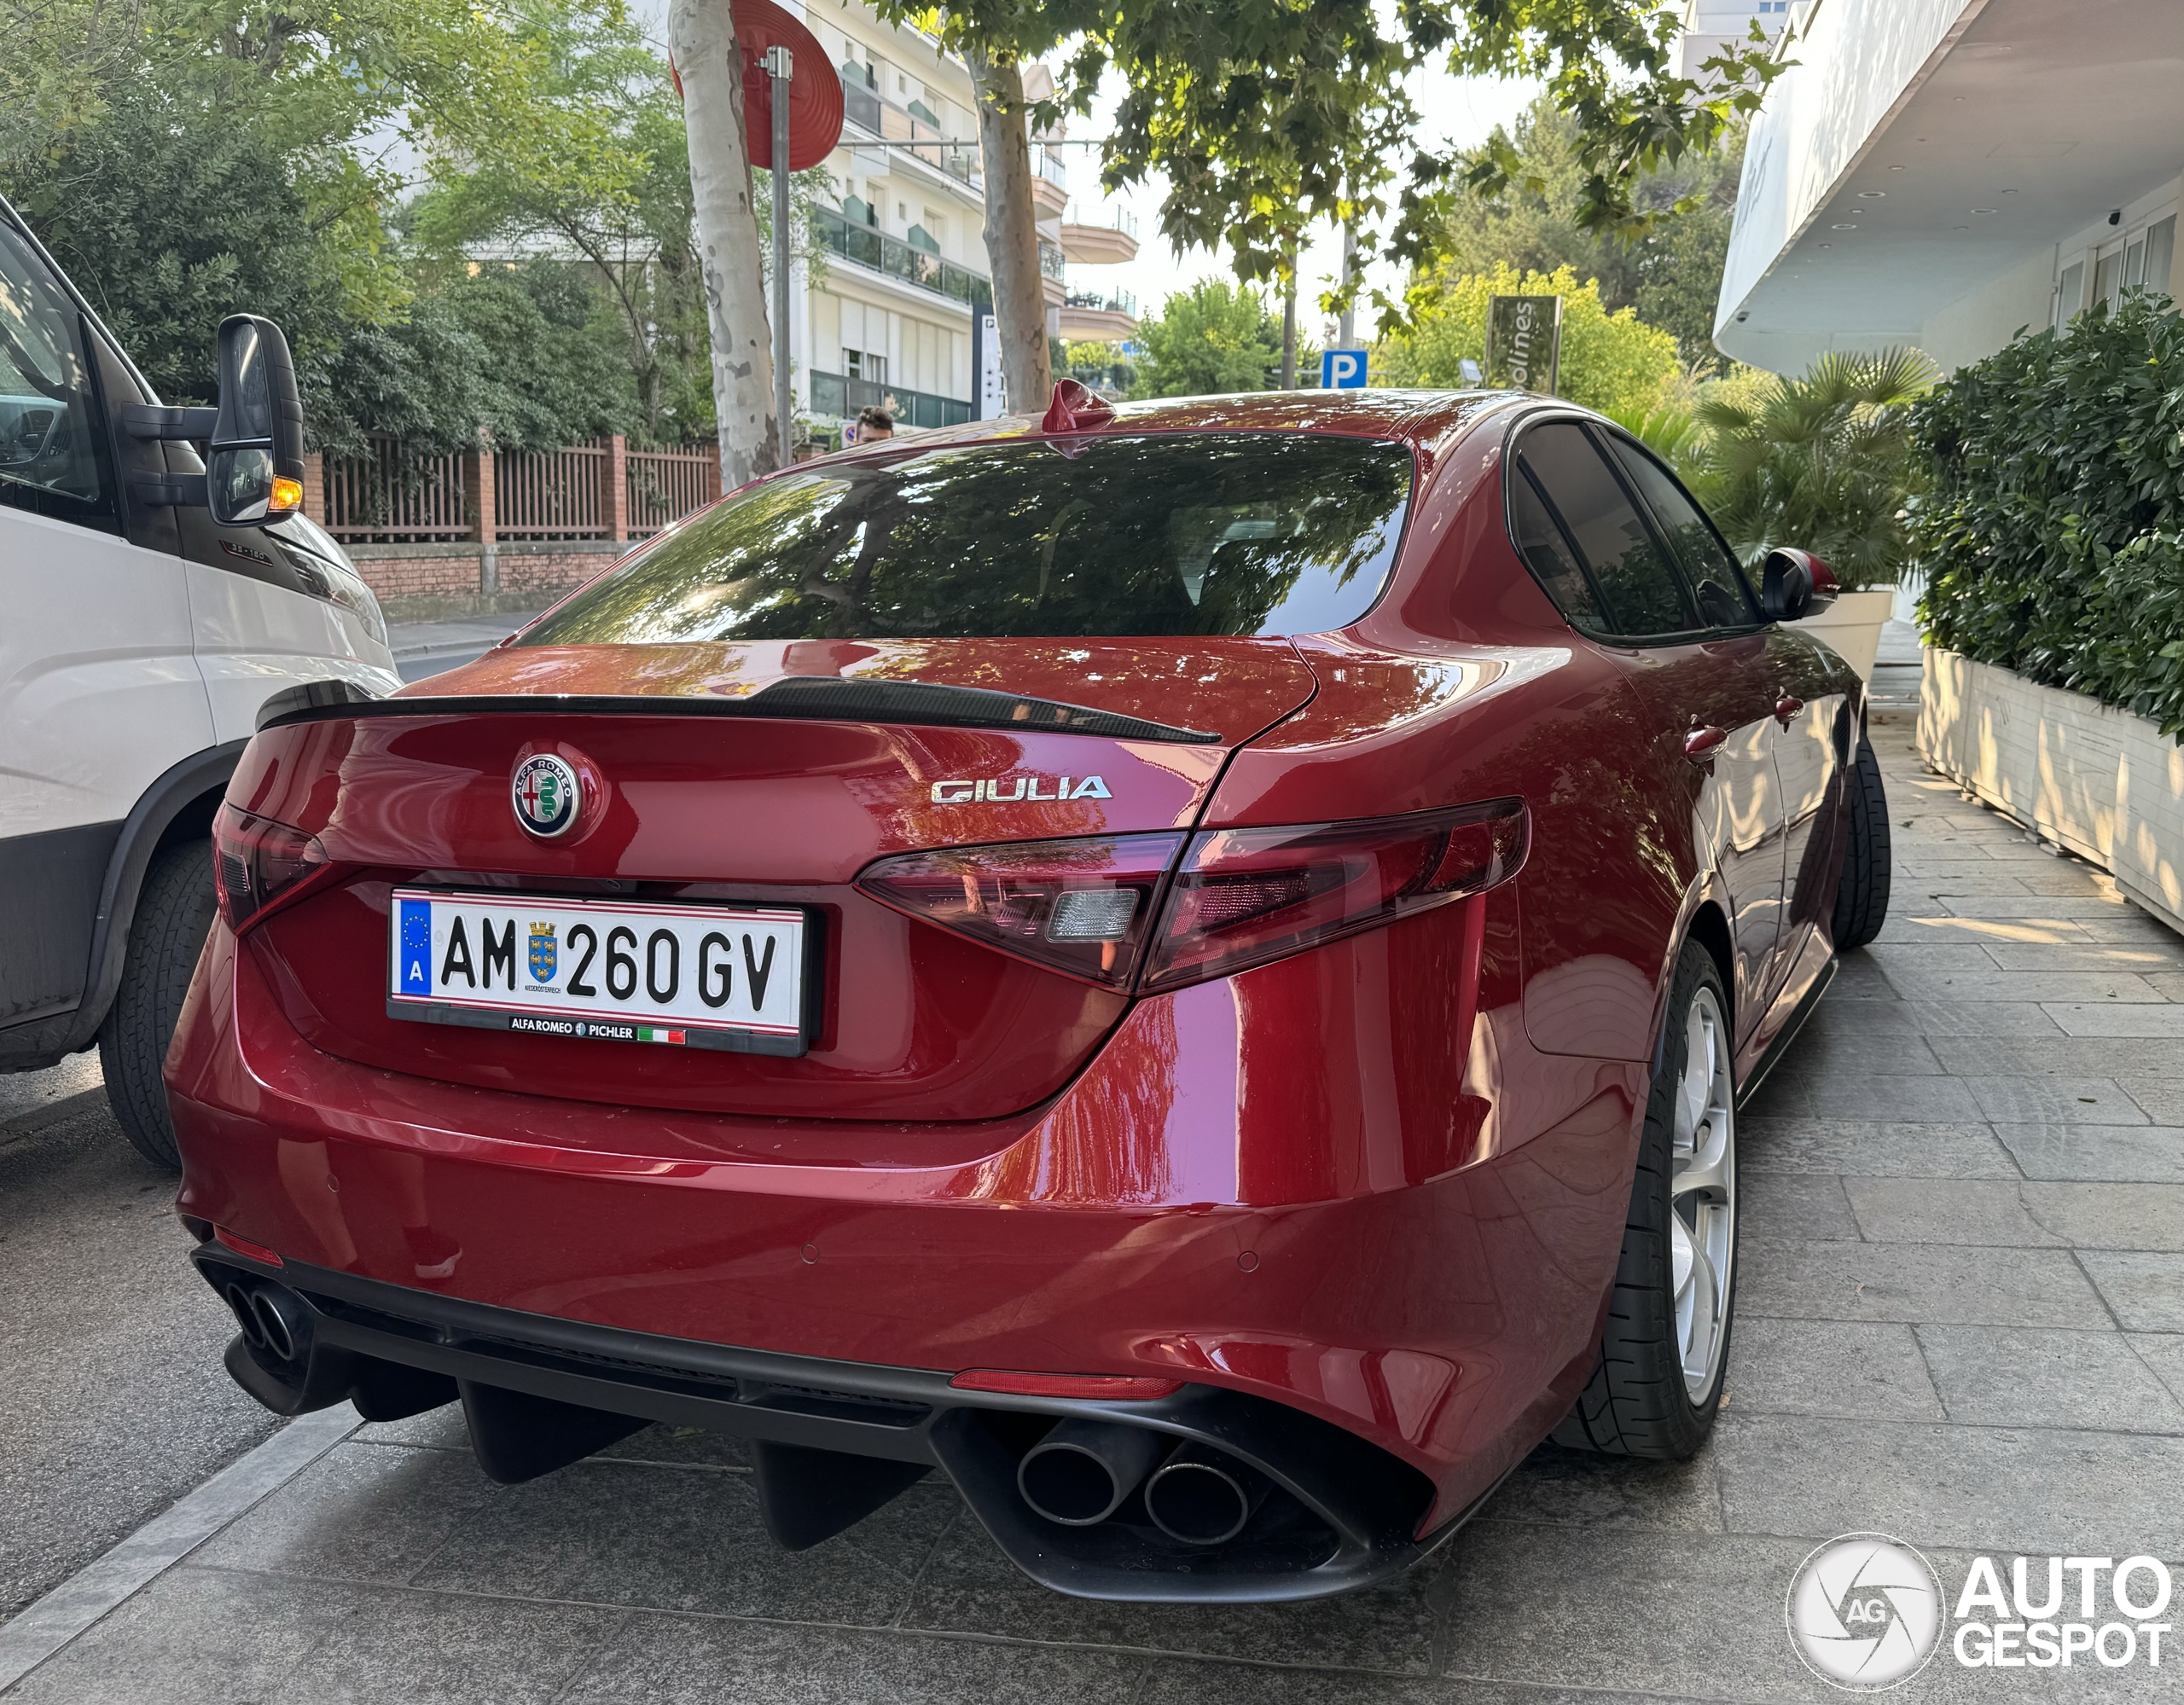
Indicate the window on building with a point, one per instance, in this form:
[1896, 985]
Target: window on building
[864, 364]
[2107, 276]
[2161, 252]
[2070, 293]
[2135, 263]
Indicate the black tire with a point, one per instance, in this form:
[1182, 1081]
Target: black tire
[1637, 1403]
[1861, 903]
[174, 912]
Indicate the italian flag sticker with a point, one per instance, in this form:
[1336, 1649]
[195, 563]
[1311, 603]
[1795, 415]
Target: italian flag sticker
[648, 1032]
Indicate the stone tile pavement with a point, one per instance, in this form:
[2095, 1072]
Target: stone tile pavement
[1961, 1322]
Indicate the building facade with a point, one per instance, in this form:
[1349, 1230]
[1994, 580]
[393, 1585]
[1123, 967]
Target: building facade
[1710, 25]
[889, 319]
[1941, 173]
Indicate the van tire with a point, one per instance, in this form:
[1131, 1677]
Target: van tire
[174, 913]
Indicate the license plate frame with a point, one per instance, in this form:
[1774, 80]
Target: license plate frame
[784, 1027]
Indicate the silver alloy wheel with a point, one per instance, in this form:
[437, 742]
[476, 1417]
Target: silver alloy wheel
[1703, 1195]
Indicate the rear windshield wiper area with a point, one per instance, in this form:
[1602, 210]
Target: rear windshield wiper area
[812, 698]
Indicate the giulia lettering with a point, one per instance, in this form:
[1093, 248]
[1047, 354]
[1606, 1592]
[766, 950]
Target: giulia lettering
[1018, 790]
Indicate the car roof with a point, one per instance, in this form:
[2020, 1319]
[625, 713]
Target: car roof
[1410, 417]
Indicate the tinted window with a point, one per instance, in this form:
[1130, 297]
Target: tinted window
[50, 455]
[1176, 534]
[1548, 554]
[1643, 593]
[1724, 600]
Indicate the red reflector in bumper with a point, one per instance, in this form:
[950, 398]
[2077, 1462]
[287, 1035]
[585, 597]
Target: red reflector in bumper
[1107, 1385]
[243, 1246]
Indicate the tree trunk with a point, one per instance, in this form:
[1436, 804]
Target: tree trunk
[1289, 324]
[1012, 232]
[725, 226]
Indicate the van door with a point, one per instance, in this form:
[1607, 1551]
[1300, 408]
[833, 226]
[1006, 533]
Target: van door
[100, 692]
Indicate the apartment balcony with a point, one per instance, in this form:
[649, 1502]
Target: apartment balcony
[1106, 238]
[867, 246]
[1050, 182]
[842, 398]
[1103, 316]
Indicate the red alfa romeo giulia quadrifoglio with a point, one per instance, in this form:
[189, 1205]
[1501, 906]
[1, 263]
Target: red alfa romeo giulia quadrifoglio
[1189, 965]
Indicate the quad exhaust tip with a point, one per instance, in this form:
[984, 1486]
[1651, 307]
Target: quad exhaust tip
[1202, 1498]
[272, 1321]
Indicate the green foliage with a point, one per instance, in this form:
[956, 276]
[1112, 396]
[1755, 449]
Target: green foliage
[1609, 361]
[1824, 463]
[2052, 535]
[1671, 432]
[1104, 367]
[1211, 340]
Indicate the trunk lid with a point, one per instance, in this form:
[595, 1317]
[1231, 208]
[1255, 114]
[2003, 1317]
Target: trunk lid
[759, 772]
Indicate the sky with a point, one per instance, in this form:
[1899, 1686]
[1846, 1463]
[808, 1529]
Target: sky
[1458, 111]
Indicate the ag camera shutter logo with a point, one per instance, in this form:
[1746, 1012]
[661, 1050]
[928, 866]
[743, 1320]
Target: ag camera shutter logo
[1865, 1612]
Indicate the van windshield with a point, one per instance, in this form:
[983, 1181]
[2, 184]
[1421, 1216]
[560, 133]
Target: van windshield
[1160, 534]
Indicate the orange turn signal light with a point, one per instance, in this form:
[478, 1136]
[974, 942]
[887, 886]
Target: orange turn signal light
[1111, 1386]
[288, 495]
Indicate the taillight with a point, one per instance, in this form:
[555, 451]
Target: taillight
[1245, 896]
[257, 861]
[1083, 906]
[1241, 896]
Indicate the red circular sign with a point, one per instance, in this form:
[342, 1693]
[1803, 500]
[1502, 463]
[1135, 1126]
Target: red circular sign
[814, 92]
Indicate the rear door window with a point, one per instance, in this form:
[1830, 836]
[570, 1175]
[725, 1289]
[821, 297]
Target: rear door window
[1725, 598]
[1552, 558]
[1183, 533]
[1644, 595]
[51, 461]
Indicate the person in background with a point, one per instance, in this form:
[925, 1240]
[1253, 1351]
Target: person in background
[874, 425]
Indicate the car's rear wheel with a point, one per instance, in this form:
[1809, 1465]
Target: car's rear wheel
[1657, 1384]
[174, 912]
[1861, 903]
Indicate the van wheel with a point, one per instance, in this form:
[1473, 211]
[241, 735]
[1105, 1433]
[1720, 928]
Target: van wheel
[174, 912]
[1861, 903]
[1657, 1386]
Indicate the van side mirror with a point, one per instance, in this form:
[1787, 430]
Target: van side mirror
[254, 465]
[1794, 584]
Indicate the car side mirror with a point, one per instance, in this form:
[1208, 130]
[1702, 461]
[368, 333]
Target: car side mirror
[1794, 584]
[254, 467]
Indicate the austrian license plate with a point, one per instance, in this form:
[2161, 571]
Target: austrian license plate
[718, 976]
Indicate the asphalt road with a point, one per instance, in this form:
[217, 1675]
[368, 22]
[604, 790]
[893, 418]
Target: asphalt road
[113, 1403]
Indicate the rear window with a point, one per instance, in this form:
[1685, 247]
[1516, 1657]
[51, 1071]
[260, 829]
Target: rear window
[1185, 534]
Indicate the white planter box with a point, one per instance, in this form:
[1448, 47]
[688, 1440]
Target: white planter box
[2105, 784]
[1852, 626]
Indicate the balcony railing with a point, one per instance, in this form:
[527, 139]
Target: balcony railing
[1105, 301]
[860, 106]
[1047, 164]
[1102, 217]
[897, 259]
[1052, 261]
[845, 398]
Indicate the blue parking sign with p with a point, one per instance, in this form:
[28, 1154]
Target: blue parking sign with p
[1342, 370]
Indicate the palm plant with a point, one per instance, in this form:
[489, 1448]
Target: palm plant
[1823, 462]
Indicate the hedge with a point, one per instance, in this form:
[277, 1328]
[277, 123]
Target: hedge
[2053, 533]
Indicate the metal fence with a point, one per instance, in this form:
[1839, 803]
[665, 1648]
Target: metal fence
[386, 496]
[600, 491]
[665, 486]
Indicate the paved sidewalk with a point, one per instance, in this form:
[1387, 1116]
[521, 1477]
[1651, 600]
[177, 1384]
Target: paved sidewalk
[1961, 1322]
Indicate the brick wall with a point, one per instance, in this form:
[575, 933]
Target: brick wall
[450, 576]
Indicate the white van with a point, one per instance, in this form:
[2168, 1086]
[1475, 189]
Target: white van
[144, 619]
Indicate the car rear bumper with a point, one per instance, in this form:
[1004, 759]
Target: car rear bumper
[1441, 1316]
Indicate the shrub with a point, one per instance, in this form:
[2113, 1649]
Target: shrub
[1609, 361]
[1824, 463]
[2052, 536]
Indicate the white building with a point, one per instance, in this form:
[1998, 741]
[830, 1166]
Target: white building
[891, 321]
[1710, 25]
[1942, 172]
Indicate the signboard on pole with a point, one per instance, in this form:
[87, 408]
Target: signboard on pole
[1523, 342]
[988, 396]
[1342, 370]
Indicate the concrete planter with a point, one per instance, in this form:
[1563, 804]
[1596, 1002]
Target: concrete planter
[2105, 784]
[1852, 626]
